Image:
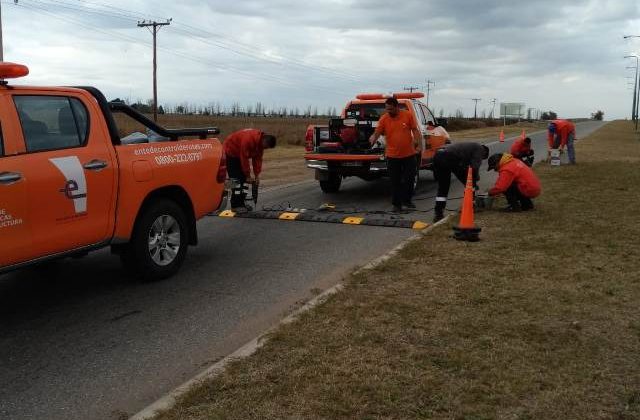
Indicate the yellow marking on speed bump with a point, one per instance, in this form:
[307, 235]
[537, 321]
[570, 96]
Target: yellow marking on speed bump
[227, 213]
[288, 216]
[420, 225]
[353, 220]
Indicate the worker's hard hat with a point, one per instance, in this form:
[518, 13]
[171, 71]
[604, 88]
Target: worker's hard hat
[494, 160]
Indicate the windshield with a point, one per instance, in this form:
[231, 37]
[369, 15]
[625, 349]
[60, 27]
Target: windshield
[371, 112]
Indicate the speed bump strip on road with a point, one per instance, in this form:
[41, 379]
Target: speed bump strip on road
[311, 216]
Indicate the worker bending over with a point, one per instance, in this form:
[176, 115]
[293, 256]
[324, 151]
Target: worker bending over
[561, 134]
[521, 149]
[516, 181]
[456, 158]
[240, 147]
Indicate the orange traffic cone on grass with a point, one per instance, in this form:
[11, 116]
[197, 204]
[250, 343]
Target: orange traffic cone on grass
[523, 135]
[502, 136]
[467, 230]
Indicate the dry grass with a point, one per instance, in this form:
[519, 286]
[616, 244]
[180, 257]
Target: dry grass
[492, 133]
[539, 320]
[289, 131]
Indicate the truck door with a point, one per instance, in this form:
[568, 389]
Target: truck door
[15, 236]
[69, 170]
[436, 141]
[422, 127]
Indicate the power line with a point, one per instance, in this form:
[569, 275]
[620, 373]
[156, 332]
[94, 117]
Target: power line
[222, 66]
[154, 27]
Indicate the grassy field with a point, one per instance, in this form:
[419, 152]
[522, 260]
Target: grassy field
[289, 130]
[538, 320]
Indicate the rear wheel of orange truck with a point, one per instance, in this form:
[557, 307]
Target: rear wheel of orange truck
[332, 184]
[159, 242]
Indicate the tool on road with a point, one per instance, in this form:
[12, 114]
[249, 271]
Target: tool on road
[466, 230]
[254, 191]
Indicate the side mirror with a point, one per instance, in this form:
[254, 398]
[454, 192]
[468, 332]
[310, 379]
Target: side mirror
[442, 122]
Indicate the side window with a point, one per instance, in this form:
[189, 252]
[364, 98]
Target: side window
[52, 122]
[428, 115]
[419, 114]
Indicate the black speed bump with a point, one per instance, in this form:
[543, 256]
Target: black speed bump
[311, 216]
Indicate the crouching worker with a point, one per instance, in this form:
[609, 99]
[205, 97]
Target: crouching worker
[240, 147]
[456, 159]
[516, 181]
[521, 149]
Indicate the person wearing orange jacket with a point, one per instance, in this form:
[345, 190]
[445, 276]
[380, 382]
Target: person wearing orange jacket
[561, 134]
[521, 149]
[403, 147]
[240, 147]
[516, 181]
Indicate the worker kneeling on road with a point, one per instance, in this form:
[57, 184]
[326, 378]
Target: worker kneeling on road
[240, 147]
[521, 149]
[456, 158]
[516, 181]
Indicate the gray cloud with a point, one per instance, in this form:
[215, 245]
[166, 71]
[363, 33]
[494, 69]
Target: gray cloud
[567, 57]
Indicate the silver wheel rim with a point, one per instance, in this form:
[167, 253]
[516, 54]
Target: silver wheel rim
[164, 240]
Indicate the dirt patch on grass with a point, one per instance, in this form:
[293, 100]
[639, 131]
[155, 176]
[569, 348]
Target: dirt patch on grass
[539, 320]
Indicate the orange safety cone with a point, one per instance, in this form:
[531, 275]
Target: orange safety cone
[523, 135]
[502, 136]
[466, 230]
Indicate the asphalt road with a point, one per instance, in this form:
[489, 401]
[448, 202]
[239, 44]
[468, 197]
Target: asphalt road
[80, 340]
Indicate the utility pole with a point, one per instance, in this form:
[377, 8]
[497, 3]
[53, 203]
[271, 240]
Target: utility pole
[410, 88]
[493, 106]
[634, 107]
[429, 83]
[154, 27]
[475, 109]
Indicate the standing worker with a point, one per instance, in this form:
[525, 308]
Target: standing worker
[456, 158]
[562, 133]
[403, 143]
[239, 147]
[521, 149]
[516, 181]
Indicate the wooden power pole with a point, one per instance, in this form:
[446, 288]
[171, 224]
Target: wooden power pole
[154, 27]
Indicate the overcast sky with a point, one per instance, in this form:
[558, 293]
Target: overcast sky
[564, 56]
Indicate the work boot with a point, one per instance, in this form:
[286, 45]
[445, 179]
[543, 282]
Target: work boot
[512, 208]
[526, 204]
[439, 211]
[240, 210]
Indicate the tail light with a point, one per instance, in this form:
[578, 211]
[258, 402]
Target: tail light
[308, 139]
[222, 169]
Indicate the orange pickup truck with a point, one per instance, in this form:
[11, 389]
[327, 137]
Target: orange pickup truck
[341, 149]
[70, 184]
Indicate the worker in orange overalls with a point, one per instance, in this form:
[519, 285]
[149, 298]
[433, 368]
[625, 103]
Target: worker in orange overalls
[521, 149]
[516, 181]
[240, 147]
[403, 147]
[561, 134]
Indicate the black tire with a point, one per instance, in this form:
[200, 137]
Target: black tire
[159, 222]
[332, 185]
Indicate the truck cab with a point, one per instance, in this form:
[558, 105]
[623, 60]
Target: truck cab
[341, 148]
[70, 185]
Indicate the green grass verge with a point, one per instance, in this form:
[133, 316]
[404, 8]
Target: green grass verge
[539, 320]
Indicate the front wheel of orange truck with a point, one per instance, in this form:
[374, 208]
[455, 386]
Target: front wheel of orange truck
[159, 242]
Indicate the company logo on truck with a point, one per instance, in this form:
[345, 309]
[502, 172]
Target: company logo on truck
[75, 187]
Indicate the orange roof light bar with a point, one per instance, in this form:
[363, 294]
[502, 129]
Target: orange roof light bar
[12, 70]
[399, 95]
